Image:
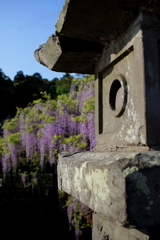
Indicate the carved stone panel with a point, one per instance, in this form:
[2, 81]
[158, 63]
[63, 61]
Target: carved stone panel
[128, 88]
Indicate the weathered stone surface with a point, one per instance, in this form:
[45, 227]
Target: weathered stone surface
[100, 21]
[60, 53]
[128, 66]
[49, 53]
[91, 21]
[103, 229]
[123, 187]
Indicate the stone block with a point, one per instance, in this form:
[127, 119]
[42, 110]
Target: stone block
[92, 21]
[123, 187]
[100, 21]
[103, 229]
[60, 53]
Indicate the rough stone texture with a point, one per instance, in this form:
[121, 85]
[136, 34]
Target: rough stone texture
[93, 20]
[103, 229]
[60, 52]
[128, 87]
[100, 21]
[90, 21]
[49, 53]
[123, 187]
[143, 191]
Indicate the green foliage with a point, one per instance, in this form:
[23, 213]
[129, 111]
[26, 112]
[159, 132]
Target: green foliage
[81, 118]
[27, 167]
[11, 124]
[66, 101]
[63, 85]
[76, 215]
[1, 145]
[84, 81]
[6, 94]
[25, 89]
[89, 105]
[13, 138]
[76, 140]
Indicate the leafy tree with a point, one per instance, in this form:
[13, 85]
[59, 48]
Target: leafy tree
[63, 85]
[25, 89]
[6, 95]
[19, 78]
[51, 87]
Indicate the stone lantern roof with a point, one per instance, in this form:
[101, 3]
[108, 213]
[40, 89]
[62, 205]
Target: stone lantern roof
[84, 28]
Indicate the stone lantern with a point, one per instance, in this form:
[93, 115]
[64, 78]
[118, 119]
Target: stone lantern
[119, 42]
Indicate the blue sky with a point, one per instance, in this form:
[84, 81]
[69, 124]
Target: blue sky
[24, 26]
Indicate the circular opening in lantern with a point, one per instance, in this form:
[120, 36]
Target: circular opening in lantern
[118, 96]
[116, 85]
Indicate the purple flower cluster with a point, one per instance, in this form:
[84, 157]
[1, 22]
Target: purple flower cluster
[78, 233]
[46, 128]
[11, 146]
[75, 211]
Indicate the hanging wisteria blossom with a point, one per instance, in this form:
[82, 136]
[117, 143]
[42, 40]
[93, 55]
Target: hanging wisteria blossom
[47, 127]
